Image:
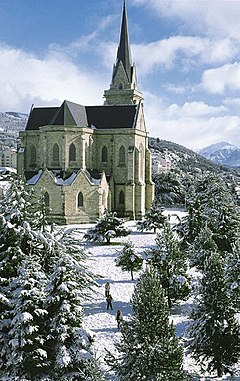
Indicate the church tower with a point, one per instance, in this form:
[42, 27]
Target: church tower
[123, 88]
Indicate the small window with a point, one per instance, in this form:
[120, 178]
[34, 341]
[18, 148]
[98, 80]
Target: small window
[47, 200]
[104, 154]
[120, 87]
[33, 155]
[72, 152]
[122, 155]
[56, 153]
[80, 200]
[121, 198]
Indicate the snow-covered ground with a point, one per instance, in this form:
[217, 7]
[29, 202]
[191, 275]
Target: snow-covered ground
[102, 322]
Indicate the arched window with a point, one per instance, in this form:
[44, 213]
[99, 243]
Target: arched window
[121, 198]
[33, 155]
[72, 152]
[47, 200]
[120, 87]
[56, 153]
[122, 155]
[104, 154]
[80, 200]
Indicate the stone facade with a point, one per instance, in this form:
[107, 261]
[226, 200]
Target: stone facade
[90, 158]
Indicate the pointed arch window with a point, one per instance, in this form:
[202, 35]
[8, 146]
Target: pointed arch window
[55, 153]
[122, 155]
[80, 200]
[104, 154]
[72, 152]
[47, 200]
[33, 155]
[121, 198]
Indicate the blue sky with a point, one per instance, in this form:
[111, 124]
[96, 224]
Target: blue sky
[187, 55]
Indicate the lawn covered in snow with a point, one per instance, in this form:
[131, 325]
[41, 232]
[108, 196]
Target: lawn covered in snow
[102, 322]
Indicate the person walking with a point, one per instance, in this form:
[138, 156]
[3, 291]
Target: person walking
[119, 318]
[109, 301]
[107, 289]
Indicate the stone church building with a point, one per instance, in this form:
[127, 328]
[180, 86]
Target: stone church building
[86, 159]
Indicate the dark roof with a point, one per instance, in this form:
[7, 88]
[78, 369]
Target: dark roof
[70, 113]
[107, 117]
[40, 116]
[100, 117]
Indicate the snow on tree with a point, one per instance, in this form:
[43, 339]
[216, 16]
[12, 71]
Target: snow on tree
[129, 260]
[107, 227]
[68, 345]
[154, 219]
[29, 257]
[214, 334]
[203, 246]
[171, 264]
[26, 337]
[211, 204]
[233, 274]
[148, 348]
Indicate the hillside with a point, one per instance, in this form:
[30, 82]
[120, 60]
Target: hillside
[10, 125]
[182, 158]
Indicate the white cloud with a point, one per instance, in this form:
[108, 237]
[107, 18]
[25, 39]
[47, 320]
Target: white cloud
[214, 17]
[26, 79]
[220, 79]
[193, 125]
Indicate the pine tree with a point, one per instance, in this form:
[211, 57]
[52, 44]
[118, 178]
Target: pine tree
[129, 260]
[203, 246]
[211, 204]
[148, 348]
[233, 274]
[171, 264]
[68, 345]
[29, 257]
[214, 335]
[107, 227]
[20, 303]
[154, 219]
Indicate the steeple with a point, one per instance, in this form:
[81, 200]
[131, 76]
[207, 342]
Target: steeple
[123, 89]
[124, 53]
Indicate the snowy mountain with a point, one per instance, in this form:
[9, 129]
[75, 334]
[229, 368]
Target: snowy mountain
[222, 153]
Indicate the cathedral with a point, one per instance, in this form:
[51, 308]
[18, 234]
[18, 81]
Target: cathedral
[88, 159]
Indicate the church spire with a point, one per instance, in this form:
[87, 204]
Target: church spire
[124, 53]
[123, 89]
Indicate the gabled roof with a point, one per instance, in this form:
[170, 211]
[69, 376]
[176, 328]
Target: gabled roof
[40, 116]
[100, 117]
[70, 113]
[108, 117]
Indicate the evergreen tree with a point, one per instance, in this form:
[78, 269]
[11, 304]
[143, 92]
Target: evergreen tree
[129, 260]
[233, 274]
[214, 335]
[154, 219]
[211, 204]
[203, 246]
[21, 337]
[148, 348]
[70, 356]
[107, 227]
[172, 266]
[28, 258]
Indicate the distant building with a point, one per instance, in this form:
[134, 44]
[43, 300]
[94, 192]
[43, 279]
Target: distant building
[8, 157]
[161, 165]
[90, 158]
